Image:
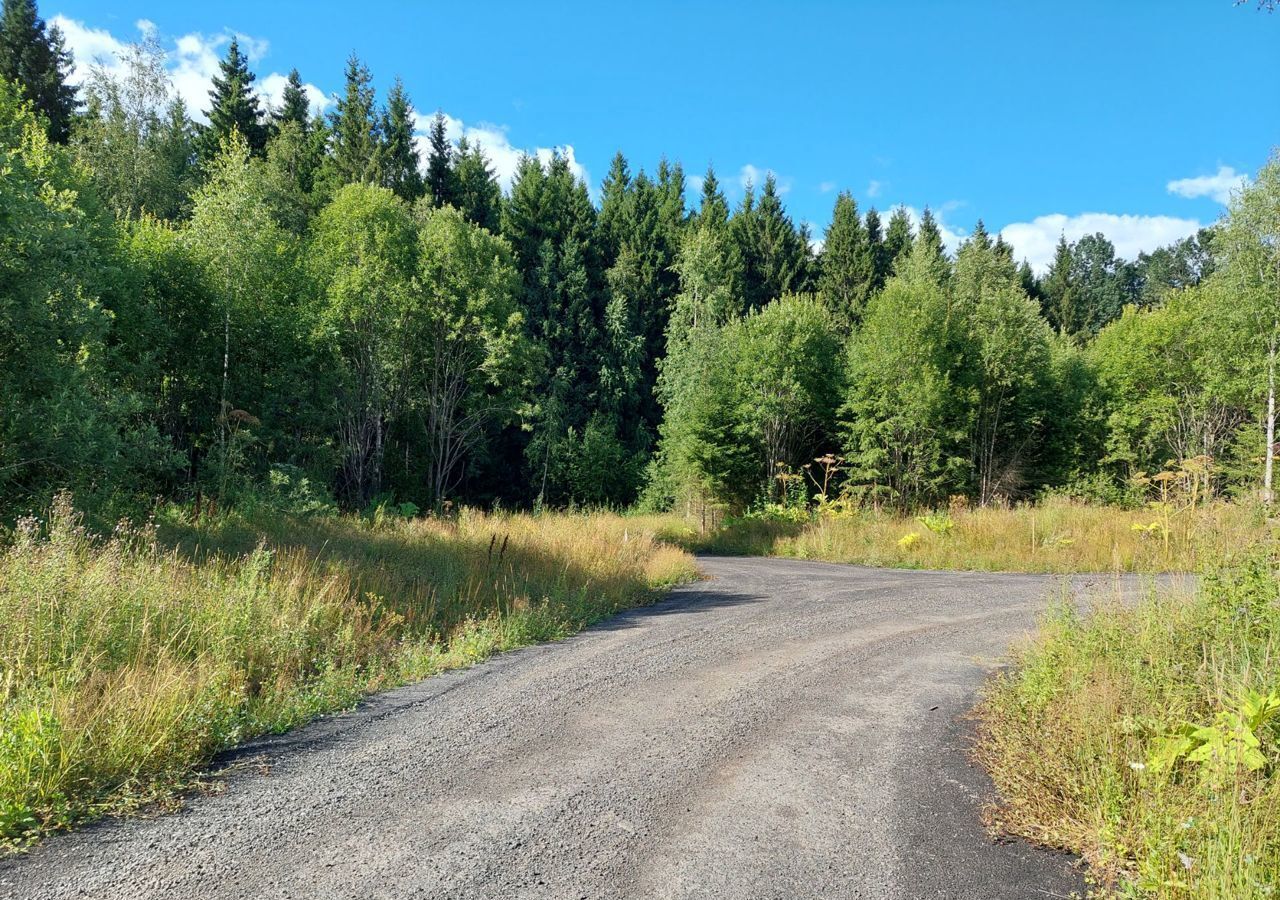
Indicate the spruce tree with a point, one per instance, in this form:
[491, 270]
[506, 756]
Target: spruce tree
[440, 164]
[35, 56]
[397, 155]
[615, 200]
[234, 106]
[478, 197]
[897, 239]
[876, 250]
[355, 132]
[929, 230]
[845, 277]
[712, 209]
[775, 257]
[294, 105]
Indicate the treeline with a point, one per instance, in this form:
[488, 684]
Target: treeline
[301, 307]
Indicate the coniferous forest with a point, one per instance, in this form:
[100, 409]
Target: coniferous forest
[304, 309]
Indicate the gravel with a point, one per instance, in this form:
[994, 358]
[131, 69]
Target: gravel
[784, 729]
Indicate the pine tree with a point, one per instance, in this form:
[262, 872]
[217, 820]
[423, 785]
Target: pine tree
[440, 164]
[294, 105]
[234, 106]
[35, 56]
[397, 155]
[355, 131]
[846, 272]
[479, 197]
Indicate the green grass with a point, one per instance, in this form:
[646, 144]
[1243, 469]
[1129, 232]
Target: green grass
[1057, 537]
[1145, 738]
[128, 661]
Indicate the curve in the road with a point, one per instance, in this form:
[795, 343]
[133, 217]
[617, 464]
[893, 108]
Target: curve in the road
[785, 729]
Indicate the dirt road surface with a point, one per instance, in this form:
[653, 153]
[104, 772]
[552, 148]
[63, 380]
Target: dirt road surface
[784, 729]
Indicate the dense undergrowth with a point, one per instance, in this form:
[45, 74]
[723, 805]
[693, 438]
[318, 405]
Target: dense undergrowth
[1056, 536]
[127, 661]
[1147, 737]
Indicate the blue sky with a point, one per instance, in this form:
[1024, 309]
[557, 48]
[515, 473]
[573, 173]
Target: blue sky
[1132, 116]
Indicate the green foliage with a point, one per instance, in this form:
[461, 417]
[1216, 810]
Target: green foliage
[54, 425]
[900, 408]
[139, 144]
[772, 385]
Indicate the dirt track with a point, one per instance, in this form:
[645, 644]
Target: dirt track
[785, 729]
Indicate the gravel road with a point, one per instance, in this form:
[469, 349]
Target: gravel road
[785, 729]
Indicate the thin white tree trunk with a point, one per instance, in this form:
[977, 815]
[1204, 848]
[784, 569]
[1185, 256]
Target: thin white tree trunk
[1269, 467]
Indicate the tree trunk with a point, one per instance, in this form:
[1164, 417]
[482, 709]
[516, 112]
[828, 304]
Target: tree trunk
[1269, 466]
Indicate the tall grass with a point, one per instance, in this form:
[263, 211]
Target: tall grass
[1057, 536]
[127, 661]
[1145, 737]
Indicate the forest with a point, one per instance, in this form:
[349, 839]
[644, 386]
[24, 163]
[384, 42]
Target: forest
[299, 407]
[306, 311]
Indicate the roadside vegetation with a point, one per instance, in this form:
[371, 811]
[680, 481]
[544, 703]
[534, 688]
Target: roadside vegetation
[129, 660]
[1147, 737]
[1056, 536]
[308, 351]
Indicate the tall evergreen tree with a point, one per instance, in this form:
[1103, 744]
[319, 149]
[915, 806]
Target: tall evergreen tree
[1059, 299]
[478, 197]
[294, 105]
[897, 239]
[234, 106]
[879, 255]
[712, 208]
[440, 164]
[846, 267]
[551, 224]
[355, 130]
[397, 155]
[35, 56]
[775, 257]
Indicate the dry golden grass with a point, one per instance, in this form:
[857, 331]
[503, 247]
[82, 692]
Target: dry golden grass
[127, 662]
[1057, 536]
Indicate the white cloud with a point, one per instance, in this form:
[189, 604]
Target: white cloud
[192, 60]
[826, 187]
[271, 89]
[753, 176]
[90, 46]
[1220, 186]
[873, 189]
[1036, 240]
[503, 155]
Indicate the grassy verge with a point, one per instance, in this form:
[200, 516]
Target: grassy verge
[1057, 536]
[127, 662]
[1145, 737]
